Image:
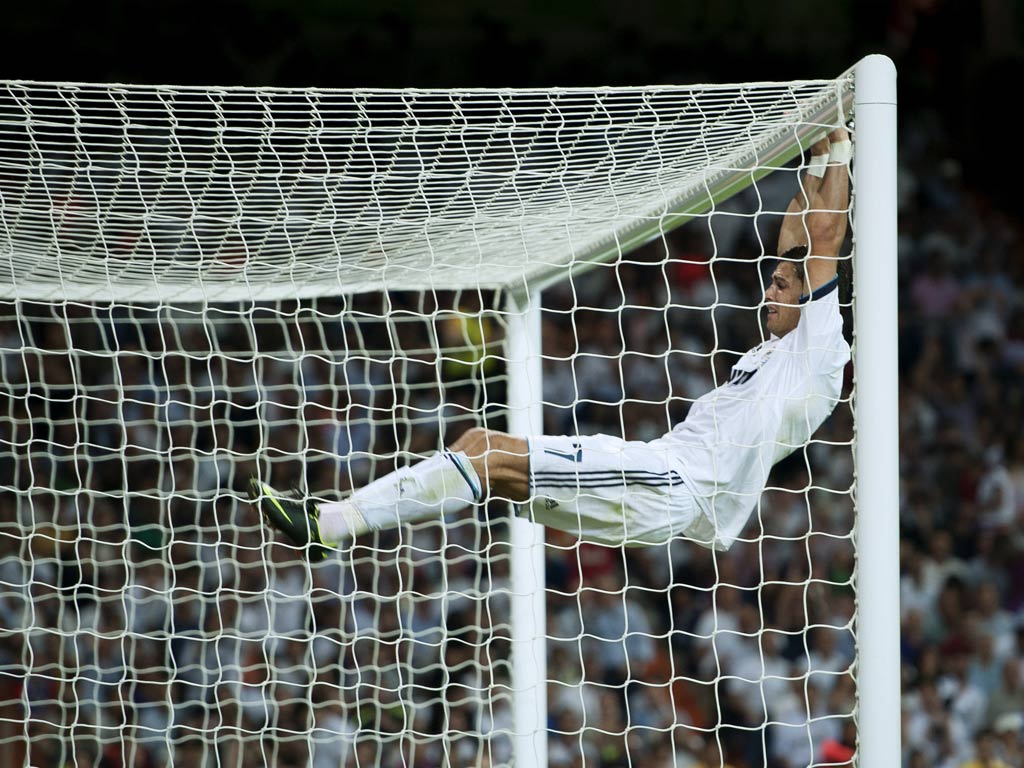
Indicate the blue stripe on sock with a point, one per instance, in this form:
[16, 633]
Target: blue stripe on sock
[473, 487]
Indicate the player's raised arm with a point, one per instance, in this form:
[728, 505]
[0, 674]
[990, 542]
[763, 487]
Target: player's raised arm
[828, 213]
[793, 231]
[817, 216]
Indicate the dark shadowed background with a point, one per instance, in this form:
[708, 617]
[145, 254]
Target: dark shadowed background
[962, 58]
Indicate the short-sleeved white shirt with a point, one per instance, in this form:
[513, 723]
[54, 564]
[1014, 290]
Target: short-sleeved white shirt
[778, 394]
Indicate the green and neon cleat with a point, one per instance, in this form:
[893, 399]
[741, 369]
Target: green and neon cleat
[297, 520]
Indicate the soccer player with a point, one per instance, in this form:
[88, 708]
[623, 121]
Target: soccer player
[702, 480]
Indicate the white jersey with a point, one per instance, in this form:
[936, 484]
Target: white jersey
[779, 393]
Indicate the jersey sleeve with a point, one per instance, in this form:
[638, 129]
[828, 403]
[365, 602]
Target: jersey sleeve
[819, 333]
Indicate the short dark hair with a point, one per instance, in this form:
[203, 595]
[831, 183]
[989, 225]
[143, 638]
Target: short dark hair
[796, 256]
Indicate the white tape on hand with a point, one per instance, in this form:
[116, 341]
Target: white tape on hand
[840, 152]
[816, 166]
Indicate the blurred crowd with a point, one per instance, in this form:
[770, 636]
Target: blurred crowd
[147, 619]
[962, 463]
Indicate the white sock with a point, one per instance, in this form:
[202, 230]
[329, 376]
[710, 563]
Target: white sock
[446, 482]
[338, 520]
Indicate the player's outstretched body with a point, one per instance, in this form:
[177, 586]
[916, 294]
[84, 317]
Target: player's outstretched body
[701, 480]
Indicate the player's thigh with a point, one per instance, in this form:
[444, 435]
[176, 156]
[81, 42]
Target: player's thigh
[608, 490]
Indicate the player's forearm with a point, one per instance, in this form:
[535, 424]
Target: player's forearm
[827, 221]
[793, 231]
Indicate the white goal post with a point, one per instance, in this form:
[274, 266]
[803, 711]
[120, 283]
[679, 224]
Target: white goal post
[199, 284]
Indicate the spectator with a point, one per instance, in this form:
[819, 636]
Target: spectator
[1007, 699]
[996, 497]
[985, 752]
[1007, 728]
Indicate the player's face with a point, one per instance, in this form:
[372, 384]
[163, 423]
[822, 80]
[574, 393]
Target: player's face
[782, 299]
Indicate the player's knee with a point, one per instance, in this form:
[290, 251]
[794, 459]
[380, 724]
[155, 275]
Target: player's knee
[500, 460]
[475, 441]
[498, 456]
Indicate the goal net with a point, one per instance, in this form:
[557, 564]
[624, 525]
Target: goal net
[317, 287]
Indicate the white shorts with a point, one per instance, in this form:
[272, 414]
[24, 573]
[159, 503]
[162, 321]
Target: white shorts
[612, 491]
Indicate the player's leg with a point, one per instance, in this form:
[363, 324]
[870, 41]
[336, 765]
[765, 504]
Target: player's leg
[297, 520]
[448, 481]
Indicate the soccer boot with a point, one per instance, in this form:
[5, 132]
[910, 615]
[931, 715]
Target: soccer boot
[297, 520]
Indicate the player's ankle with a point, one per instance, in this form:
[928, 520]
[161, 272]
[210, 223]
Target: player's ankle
[340, 521]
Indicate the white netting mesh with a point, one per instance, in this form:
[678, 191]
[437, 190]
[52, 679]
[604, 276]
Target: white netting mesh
[142, 606]
[145, 617]
[118, 192]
